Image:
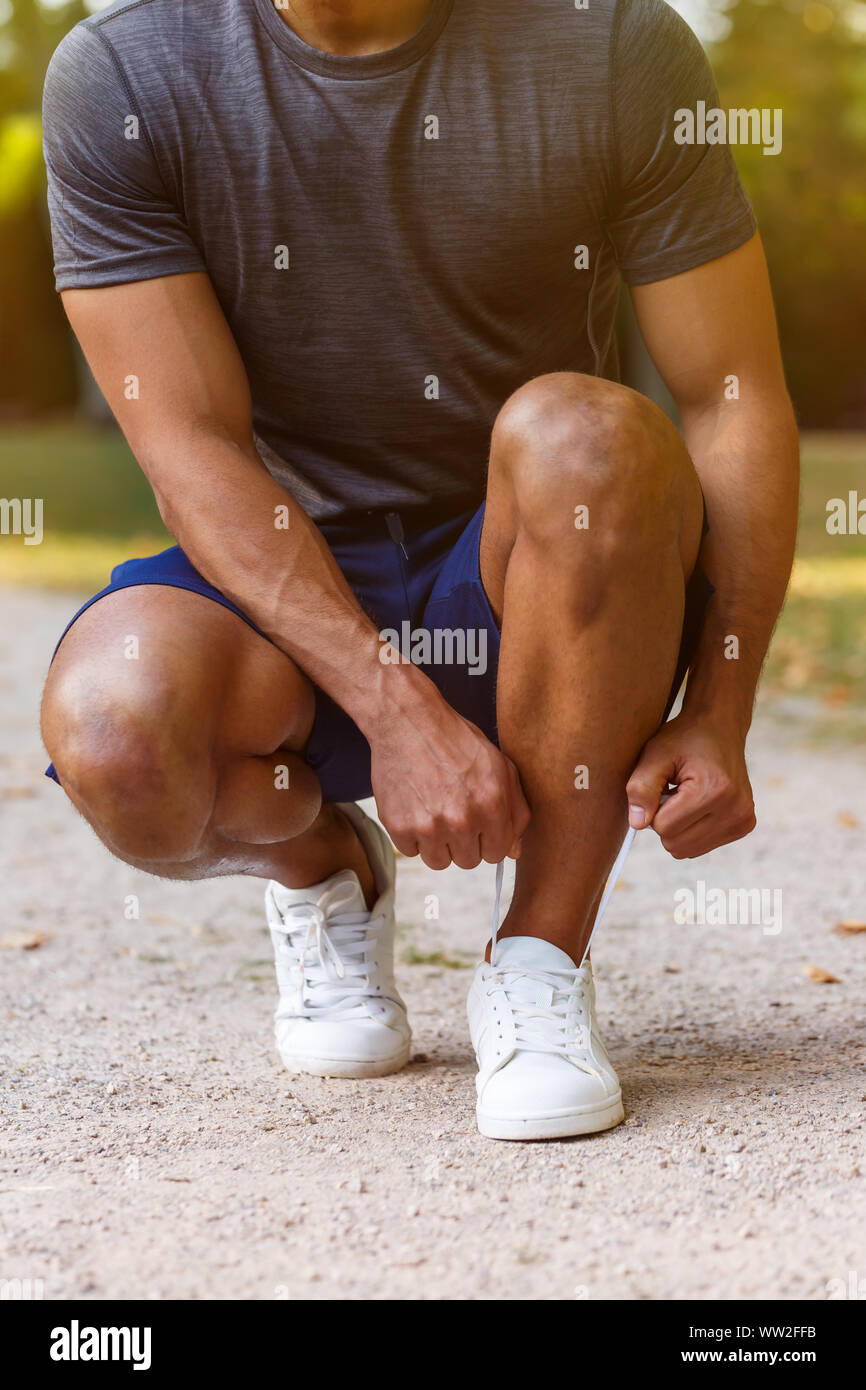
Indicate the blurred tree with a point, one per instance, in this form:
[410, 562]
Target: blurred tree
[809, 60]
[30, 32]
[37, 362]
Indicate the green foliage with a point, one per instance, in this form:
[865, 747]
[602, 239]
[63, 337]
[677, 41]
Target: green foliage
[810, 200]
[20, 162]
[29, 37]
[87, 475]
[37, 365]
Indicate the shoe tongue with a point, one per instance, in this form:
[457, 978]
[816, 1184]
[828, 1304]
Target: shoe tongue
[338, 896]
[532, 952]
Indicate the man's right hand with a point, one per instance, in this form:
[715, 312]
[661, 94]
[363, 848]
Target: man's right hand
[445, 792]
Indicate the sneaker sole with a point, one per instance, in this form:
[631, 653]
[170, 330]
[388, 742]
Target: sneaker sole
[346, 1067]
[592, 1120]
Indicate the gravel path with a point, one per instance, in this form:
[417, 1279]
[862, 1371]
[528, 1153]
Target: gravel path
[153, 1147]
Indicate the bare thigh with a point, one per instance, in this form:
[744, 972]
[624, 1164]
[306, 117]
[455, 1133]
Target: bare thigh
[157, 697]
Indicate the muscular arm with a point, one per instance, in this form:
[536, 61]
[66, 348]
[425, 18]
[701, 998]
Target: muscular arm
[702, 329]
[190, 428]
[188, 422]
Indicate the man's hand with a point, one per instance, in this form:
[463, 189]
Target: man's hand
[713, 802]
[444, 792]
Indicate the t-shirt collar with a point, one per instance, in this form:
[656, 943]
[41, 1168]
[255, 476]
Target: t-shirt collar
[355, 67]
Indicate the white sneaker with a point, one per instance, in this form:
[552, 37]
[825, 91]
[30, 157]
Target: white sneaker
[339, 1012]
[543, 1071]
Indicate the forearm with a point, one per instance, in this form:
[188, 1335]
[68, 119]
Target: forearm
[747, 458]
[254, 542]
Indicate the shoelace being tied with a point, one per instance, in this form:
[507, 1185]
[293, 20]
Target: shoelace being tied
[605, 897]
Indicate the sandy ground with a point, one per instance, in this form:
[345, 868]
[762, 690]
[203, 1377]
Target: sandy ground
[153, 1147]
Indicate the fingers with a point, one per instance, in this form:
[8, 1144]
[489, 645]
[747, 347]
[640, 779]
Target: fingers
[457, 840]
[403, 841]
[459, 802]
[438, 847]
[487, 826]
[706, 834]
[683, 809]
[435, 854]
[508, 816]
[466, 853]
[706, 818]
[655, 768]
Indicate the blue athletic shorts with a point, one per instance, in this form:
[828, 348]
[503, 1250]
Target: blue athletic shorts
[421, 582]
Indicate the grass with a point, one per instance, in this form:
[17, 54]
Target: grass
[818, 653]
[411, 956]
[87, 475]
[98, 510]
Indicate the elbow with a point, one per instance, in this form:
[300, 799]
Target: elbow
[166, 511]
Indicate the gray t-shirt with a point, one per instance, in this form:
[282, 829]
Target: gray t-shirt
[397, 240]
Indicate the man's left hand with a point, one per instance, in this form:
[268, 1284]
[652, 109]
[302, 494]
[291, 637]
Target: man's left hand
[712, 804]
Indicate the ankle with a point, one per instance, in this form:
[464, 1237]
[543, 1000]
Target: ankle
[344, 832]
[330, 844]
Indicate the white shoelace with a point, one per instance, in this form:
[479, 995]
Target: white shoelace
[605, 897]
[544, 1027]
[329, 958]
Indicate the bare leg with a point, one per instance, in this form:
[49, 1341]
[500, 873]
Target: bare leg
[175, 757]
[591, 622]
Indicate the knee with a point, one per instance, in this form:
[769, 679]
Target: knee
[146, 786]
[570, 441]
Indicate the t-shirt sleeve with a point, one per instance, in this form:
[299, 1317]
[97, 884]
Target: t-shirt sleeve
[673, 206]
[112, 220]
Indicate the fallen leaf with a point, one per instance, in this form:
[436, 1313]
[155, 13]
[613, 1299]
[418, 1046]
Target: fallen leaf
[849, 928]
[847, 821]
[838, 695]
[22, 940]
[819, 976]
